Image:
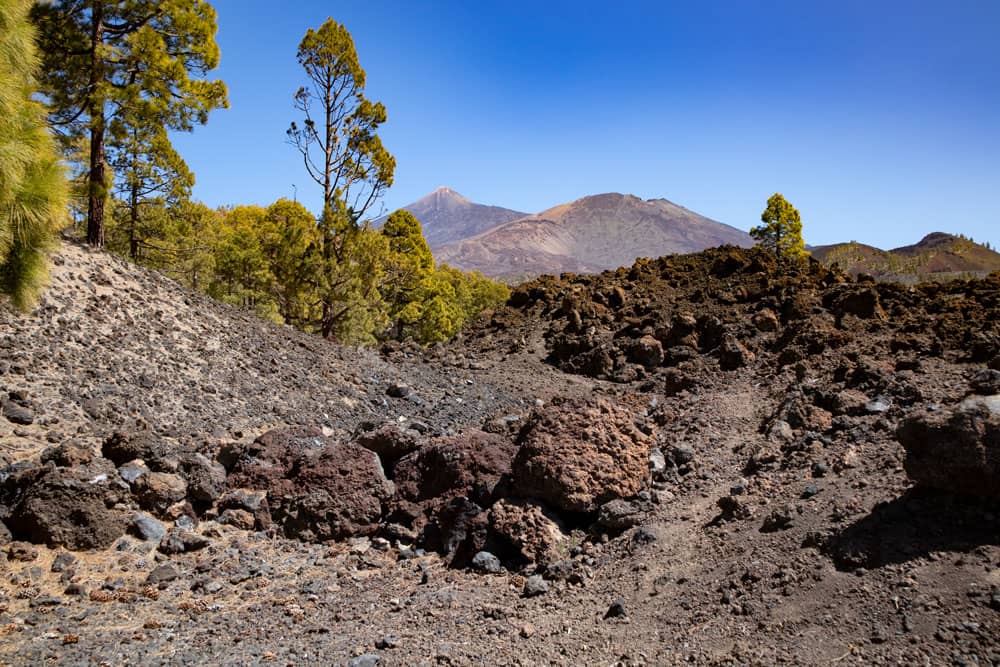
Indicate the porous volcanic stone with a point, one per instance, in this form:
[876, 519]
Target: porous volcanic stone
[579, 454]
[528, 531]
[955, 449]
[69, 507]
[317, 488]
[470, 464]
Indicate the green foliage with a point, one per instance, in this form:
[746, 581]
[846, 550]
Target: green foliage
[243, 274]
[781, 232]
[32, 183]
[110, 69]
[425, 303]
[344, 155]
[291, 242]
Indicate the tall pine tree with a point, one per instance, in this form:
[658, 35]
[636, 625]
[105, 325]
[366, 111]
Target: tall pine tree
[106, 59]
[32, 184]
[344, 155]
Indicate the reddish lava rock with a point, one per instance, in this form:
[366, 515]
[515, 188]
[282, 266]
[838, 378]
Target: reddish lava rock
[317, 488]
[578, 455]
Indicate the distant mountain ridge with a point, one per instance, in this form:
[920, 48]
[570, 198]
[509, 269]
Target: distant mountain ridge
[937, 255]
[447, 216]
[588, 235]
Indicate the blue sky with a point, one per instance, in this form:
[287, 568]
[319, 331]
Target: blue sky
[879, 120]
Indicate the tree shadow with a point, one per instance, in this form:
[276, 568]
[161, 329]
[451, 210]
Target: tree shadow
[919, 522]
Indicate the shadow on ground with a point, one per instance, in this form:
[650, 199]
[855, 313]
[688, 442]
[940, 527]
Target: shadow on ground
[917, 523]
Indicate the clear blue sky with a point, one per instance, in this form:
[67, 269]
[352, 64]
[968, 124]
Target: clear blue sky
[879, 120]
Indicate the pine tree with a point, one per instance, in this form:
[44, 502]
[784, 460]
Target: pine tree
[781, 233]
[344, 155]
[145, 59]
[32, 183]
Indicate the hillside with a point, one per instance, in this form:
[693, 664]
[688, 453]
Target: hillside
[589, 235]
[447, 216]
[936, 256]
[697, 459]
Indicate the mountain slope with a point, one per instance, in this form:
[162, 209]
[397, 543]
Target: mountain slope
[937, 255]
[447, 216]
[589, 235]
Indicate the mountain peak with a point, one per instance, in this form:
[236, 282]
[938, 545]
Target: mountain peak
[444, 192]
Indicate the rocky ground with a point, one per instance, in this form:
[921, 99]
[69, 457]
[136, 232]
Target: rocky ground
[707, 459]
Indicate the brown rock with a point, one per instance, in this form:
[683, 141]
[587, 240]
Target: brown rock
[529, 532]
[317, 488]
[577, 455]
[156, 491]
[646, 351]
[955, 449]
[70, 507]
[766, 320]
[733, 354]
[470, 464]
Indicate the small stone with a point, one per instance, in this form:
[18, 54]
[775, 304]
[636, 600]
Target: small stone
[162, 574]
[387, 642]
[366, 660]
[810, 491]
[820, 469]
[682, 454]
[535, 586]
[657, 462]
[147, 528]
[22, 551]
[878, 406]
[487, 563]
[63, 561]
[780, 519]
[398, 390]
[238, 518]
[18, 414]
[180, 541]
[527, 630]
[132, 471]
[45, 601]
[616, 610]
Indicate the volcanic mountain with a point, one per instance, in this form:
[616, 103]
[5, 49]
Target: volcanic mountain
[936, 256]
[589, 235]
[447, 216]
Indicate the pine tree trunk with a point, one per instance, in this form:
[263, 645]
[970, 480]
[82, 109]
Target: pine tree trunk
[97, 181]
[133, 238]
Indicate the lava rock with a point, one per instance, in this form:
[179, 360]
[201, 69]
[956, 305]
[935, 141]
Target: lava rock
[955, 449]
[179, 541]
[487, 563]
[76, 508]
[206, 481]
[162, 574]
[617, 609]
[68, 454]
[388, 441]
[318, 488]
[529, 532]
[985, 381]
[534, 586]
[157, 491]
[17, 413]
[578, 455]
[147, 528]
[619, 515]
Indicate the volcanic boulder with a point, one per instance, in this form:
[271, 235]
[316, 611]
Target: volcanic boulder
[579, 454]
[317, 488]
[443, 488]
[528, 531]
[955, 449]
[70, 507]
